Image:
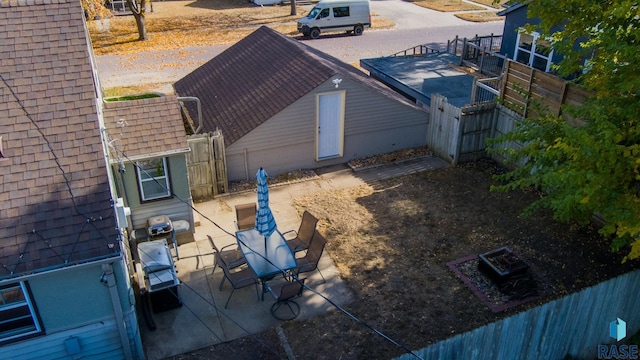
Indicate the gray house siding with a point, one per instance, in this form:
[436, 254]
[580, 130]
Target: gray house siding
[74, 303]
[374, 123]
[177, 208]
[99, 340]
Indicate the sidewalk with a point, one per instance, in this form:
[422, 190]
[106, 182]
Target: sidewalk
[203, 321]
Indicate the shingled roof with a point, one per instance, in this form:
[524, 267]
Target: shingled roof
[55, 201]
[258, 77]
[145, 127]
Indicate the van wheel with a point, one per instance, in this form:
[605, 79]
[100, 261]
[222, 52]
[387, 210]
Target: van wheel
[357, 30]
[315, 33]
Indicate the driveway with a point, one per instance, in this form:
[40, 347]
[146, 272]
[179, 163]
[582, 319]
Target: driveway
[409, 16]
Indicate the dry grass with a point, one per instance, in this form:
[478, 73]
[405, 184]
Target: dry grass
[391, 240]
[176, 27]
[446, 5]
[480, 16]
[490, 3]
[179, 24]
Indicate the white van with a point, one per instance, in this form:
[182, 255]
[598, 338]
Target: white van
[336, 15]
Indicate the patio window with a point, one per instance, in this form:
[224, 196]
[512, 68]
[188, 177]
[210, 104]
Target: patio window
[18, 316]
[153, 179]
[534, 51]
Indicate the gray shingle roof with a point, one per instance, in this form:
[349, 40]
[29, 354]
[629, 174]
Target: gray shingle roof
[252, 81]
[55, 202]
[146, 126]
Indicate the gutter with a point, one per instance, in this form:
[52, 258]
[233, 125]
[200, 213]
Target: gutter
[63, 267]
[193, 98]
[153, 155]
[117, 309]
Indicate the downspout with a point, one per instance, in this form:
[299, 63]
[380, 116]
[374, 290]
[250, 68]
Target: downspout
[117, 309]
[246, 164]
[193, 98]
[121, 171]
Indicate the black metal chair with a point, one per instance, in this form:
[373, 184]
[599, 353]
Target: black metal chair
[230, 253]
[311, 259]
[304, 234]
[284, 293]
[238, 279]
[245, 216]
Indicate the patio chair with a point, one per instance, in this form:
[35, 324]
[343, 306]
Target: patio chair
[303, 236]
[245, 216]
[284, 293]
[311, 259]
[230, 253]
[238, 279]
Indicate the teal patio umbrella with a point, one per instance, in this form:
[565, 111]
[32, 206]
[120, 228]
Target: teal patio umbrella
[265, 223]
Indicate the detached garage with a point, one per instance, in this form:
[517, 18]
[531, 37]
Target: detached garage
[284, 106]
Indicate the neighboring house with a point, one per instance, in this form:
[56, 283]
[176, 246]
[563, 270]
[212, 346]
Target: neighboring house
[64, 285]
[283, 105]
[527, 48]
[147, 137]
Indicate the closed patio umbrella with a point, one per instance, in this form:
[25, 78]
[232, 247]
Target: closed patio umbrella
[265, 223]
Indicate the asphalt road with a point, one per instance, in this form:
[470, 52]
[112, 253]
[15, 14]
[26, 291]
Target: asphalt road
[415, 26]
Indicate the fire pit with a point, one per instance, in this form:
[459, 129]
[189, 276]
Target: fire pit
[501, 265]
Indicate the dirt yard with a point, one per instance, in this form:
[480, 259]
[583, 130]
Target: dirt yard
[391, 242]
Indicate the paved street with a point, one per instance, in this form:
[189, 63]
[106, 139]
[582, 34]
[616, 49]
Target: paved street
[414, 25]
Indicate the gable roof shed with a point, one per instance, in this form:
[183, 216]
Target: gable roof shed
[260, 76]
[55, 198]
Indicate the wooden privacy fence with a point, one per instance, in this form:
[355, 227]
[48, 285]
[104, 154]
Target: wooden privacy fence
[524, 87]
[206, 163]
[573, 325]
[459, 134]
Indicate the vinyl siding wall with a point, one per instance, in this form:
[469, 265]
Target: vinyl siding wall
[175, 208]
[75, 303]
[374, 124]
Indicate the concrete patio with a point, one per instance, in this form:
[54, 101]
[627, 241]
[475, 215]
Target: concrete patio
[203, 321]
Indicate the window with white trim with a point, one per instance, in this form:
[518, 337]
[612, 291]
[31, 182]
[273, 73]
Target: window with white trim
[534, 51]
[18, 316]
[153, 179]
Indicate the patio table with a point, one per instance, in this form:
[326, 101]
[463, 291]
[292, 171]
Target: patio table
[268, 256]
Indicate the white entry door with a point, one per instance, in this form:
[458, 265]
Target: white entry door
[330, 125]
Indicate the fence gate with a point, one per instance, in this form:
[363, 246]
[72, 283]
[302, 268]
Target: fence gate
[206, 165]
[444, 129]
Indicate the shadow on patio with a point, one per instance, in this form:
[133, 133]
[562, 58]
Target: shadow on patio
[202, 320]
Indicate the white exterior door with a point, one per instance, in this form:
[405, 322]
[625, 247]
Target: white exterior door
[330, 125]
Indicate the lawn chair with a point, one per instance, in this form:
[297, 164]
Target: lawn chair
[238, 279]
[230, 253]
[284, 293]
[304, 233]
[245, 216]
[310, 261]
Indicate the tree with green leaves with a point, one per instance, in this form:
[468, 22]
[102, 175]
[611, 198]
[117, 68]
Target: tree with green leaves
[592, 169]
